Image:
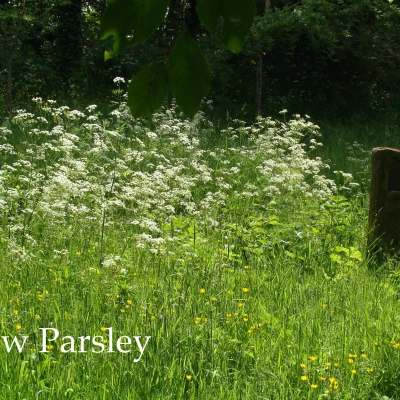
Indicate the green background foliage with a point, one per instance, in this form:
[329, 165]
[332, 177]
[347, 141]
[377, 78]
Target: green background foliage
[331, 59]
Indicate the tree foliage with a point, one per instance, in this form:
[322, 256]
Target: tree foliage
[188, 74]
[327, 58]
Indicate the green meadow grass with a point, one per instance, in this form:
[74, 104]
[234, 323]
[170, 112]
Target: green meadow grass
[240, 259]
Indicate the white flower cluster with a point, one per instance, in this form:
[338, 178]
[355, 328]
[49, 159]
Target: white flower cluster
[66, 178]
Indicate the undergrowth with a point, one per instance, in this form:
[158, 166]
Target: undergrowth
[242, 260]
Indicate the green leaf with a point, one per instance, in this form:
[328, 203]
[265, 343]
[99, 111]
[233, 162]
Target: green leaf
[189, 74]
[147, 90]
[238, 17]
[131, 21]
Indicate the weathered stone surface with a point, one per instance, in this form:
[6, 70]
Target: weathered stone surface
[384, 210]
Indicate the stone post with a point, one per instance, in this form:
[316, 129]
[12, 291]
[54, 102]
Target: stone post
[384, 207]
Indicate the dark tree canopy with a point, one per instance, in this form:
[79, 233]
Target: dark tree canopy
[334, 58]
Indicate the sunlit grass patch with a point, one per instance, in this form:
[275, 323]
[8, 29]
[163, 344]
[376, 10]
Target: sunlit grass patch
[243, 261]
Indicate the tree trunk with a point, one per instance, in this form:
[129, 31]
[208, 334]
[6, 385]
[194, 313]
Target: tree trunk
[384, 209]
[10, 54]
[259, 81]
[259, 64]
[69, 42]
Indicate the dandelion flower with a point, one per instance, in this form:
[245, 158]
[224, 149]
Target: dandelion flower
[303, 365]
[304, 378]
[245, 290]
[202, 291]
[353, 371]
[18, 327]
[314, 386]
[188, 377]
